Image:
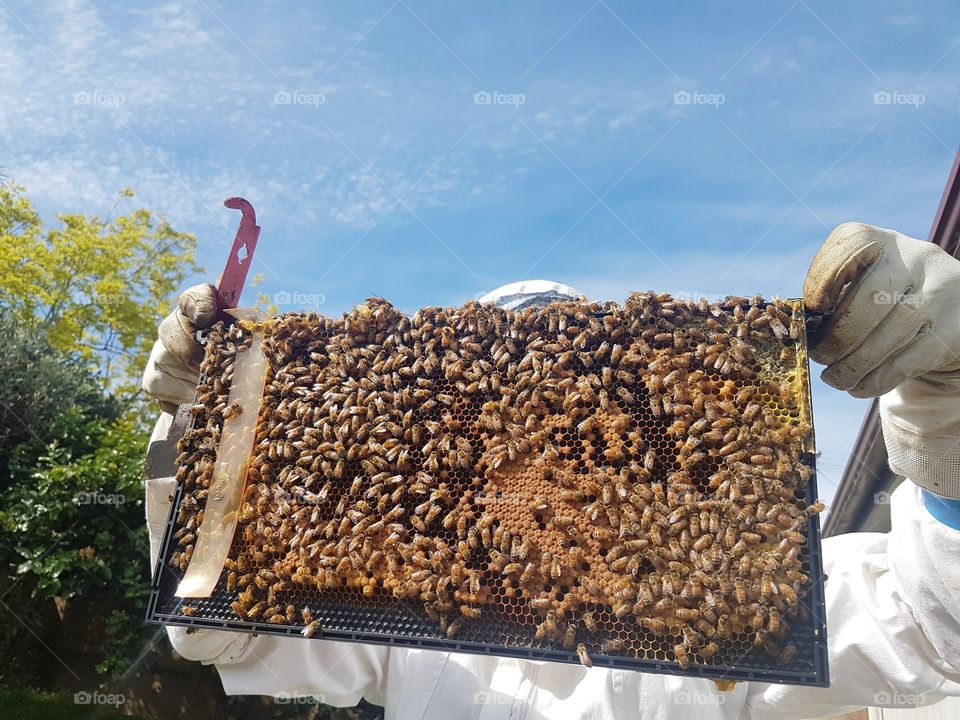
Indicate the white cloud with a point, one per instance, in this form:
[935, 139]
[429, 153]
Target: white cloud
[77, 33]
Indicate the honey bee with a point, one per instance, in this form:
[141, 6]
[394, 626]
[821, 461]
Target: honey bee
[787, 655]
[310, 629]
[709, 650]
[691, 638]
[649, 459]
[766, 586]
[570, 495]
[795, 576]
[773, 621]
[255, 611]
[788, 593]
[550, 623]
[612, 645]
[453, 628]
[538, 504]
[622, 609]
[511, 568]
[759, 619]
[657, 626]
[740, 590]
[680, 653]
[584, 656]
[232, 410]
[724, 627]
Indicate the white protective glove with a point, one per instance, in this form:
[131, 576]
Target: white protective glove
[894, 303]
[893, 330]
[174, 365]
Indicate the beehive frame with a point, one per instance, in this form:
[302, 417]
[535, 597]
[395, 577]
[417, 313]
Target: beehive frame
[492, 484]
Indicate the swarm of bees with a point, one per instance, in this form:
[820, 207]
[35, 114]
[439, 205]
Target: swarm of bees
[608, 480]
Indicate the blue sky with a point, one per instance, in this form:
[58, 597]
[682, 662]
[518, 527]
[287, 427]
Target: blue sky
[427, 152]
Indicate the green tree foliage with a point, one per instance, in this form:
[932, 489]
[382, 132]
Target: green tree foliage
[79, 307]
[39, 386]
[96, 287]
[72, 526]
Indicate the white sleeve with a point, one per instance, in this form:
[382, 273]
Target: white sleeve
[893, 600]
[336, 673]
[921, 429]
[207, 646]
[893, 620]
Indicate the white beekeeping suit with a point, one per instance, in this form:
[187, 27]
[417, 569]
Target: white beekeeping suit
[893, 600]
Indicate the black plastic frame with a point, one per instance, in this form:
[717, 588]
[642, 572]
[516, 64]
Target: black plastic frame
[163, 609]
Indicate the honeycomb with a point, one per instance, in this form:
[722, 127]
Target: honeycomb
[606, 481]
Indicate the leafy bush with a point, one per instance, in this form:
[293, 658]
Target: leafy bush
[72, 526]
[79, 307]
[40, 386]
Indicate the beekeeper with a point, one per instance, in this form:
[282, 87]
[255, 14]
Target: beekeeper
[893, 600]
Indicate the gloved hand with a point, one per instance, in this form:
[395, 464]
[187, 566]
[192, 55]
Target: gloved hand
[174, 365]
[894, 303]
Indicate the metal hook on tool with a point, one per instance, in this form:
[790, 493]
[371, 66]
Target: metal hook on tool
[234, 275]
